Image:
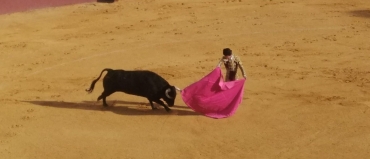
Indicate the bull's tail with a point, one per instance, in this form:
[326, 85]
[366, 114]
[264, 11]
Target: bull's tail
[93, 82]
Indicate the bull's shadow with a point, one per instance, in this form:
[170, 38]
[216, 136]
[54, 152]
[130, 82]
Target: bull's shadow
[361, 13]
[118, 107]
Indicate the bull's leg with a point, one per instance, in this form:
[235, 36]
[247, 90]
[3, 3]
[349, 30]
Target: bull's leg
[104, 95]
[162, 104]
[151, 104]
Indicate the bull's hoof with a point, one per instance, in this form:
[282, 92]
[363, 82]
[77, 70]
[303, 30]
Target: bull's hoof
[168, 110]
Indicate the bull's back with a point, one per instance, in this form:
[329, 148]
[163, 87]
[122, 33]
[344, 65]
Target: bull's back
[142, 83]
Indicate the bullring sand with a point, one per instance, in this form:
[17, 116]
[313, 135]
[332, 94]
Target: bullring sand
[307, 93]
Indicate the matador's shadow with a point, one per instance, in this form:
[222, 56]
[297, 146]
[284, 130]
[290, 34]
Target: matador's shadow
[118, 107]
[106, 1]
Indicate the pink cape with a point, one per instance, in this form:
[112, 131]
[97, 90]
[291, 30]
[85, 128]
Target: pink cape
[212, 96]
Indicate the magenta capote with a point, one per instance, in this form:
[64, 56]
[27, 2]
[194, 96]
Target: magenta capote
[11, 6]
[213, 97]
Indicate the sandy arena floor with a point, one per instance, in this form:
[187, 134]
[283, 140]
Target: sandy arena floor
[307, 93]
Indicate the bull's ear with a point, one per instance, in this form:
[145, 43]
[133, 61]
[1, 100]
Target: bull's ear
[168, 90]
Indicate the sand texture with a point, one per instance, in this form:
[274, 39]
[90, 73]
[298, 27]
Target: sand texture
[307, 95]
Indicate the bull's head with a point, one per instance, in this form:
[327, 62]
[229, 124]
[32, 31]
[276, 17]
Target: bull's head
[170, 95]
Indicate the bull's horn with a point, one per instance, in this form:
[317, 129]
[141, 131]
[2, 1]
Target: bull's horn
[178, 89]
[167, 91]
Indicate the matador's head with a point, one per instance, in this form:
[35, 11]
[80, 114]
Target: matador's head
[227, 52]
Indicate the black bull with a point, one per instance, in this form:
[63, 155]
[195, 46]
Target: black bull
[140, 83]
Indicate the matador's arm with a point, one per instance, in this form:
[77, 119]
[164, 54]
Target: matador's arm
[240, 65]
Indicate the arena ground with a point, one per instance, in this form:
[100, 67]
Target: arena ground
[307, 93]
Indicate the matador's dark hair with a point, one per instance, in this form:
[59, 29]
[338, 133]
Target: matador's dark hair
[227, 52]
